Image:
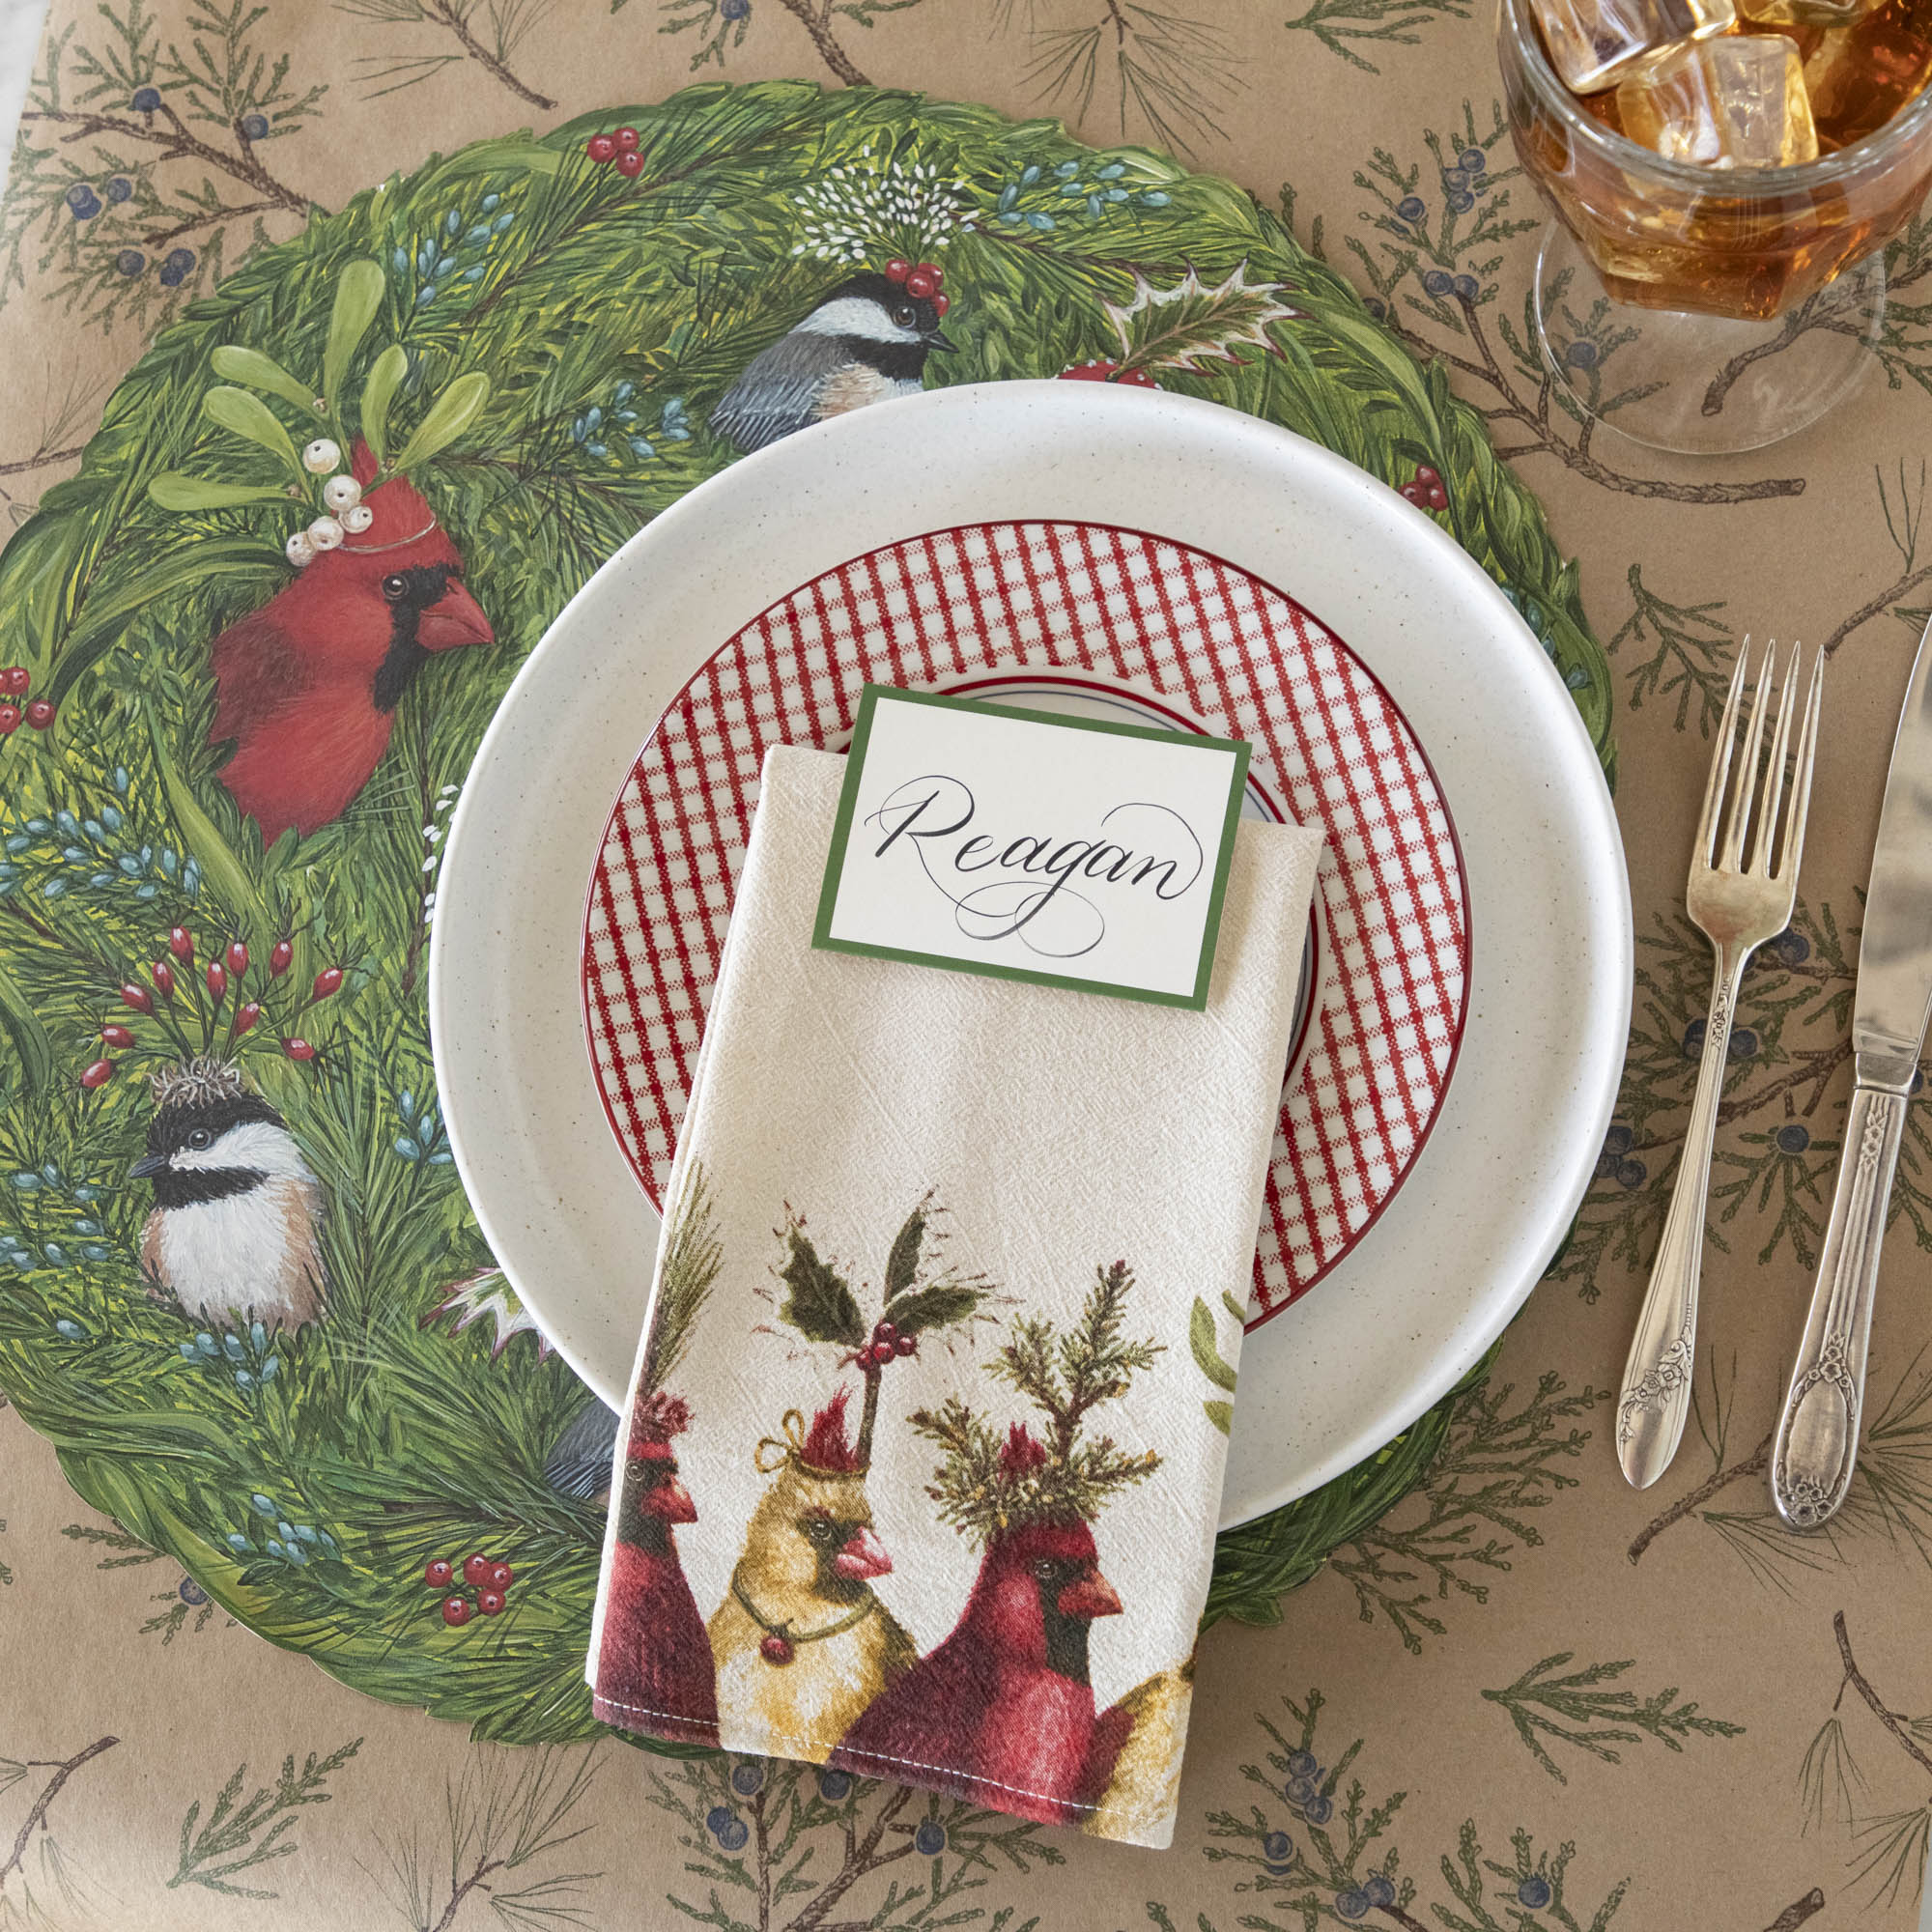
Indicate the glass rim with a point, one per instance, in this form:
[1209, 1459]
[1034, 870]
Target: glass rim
[1741, 184]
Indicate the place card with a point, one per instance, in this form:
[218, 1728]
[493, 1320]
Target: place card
[1026, 845]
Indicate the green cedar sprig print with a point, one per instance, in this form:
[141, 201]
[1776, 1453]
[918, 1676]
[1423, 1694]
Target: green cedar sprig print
[987, 1483]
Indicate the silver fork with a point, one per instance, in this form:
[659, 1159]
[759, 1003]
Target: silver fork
[1737, 903]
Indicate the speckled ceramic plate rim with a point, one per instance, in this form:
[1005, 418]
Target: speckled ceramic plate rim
[1459, 1246]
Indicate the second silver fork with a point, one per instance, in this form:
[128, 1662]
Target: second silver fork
[1738, 897]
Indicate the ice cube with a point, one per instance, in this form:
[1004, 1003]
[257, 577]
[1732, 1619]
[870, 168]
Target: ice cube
[1859, 77]
[1738, 103]
[1804, 12]
[1595, 43]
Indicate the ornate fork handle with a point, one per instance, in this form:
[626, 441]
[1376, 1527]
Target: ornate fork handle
[1657, 1378]
[1818, 1430]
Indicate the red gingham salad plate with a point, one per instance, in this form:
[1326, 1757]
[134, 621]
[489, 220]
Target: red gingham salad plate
[1121, 621]
[1466, 989]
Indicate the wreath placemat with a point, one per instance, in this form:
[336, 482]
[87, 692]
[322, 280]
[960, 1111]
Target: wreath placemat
[482, 377]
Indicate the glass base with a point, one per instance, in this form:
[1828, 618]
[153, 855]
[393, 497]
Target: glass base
[1701, 384]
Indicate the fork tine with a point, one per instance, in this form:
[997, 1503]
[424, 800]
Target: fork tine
[1801, 777]
[1766, 827]
[1739, 818]
[1720, 763]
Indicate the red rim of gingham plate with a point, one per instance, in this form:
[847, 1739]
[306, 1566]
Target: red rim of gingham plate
[1027, 598]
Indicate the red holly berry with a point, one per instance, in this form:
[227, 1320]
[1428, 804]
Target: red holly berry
[164, 978]
[939, 305]
[1439, 497]
[98, 1074]
[489, 1601]
[906, 1345]
[476, 1569]
[279, 957]
[438, 1572]
[626, 139]
[217, 981]
[138, 998]
[1412, 495]
[896, 270]
[238, 958]
[10, 720]
[933, 270]
[776, 1649]
[39, 713]
[246, 1016]
[885, 1332]
[1104, 369]
[456, 1612]
[867, 1360]
[920, 284]
[326, 981]
[117, 1035]
[15, 678]
[501, 1575]
[601, 148]
[1429, 478]
[299, 1050]
[180, 943]
[631, 165]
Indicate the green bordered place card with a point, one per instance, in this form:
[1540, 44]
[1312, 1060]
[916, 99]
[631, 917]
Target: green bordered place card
[1026, 846]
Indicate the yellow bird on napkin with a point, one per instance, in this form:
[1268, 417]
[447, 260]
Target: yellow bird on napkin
[801, 1641]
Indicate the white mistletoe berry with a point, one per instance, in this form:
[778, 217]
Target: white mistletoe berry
[322, 456]
[325, 533]
[298, 549]
[358, 519]
[341, 493]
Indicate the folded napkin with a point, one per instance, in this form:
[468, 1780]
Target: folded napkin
[942, 1335]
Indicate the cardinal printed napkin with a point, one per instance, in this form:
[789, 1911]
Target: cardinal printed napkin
[923, 1451]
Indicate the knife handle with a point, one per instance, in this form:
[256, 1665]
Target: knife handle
[1818, 1429]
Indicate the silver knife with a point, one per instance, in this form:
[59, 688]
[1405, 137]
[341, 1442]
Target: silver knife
[1818, 1430]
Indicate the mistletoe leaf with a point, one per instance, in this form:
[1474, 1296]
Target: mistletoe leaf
[256, 371]
[450, 414]
[174, 490]
[1182, 327]
[1203, 1342]
[818, 1300]
[1221, 1414]
[245, 414]
[359, 294]
[385, 376]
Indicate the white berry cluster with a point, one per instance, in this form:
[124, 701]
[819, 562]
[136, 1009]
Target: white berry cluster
[857, 206]
[345, 514]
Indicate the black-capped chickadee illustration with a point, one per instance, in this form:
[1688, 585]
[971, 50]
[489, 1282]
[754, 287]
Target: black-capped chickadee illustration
[235, 1234]
[866, 342]
[578, 1463]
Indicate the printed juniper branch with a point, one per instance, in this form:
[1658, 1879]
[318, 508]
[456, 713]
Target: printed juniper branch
[861, 1857]
[1544, 441]
[37, 1817]
[1798, 1912]
[41, 459]
[446, 14]
[178, 144]
[228, 1834]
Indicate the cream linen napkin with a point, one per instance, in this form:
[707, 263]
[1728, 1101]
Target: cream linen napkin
[941, 1341]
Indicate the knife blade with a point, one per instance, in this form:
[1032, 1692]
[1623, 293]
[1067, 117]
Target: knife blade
[1816, 1445]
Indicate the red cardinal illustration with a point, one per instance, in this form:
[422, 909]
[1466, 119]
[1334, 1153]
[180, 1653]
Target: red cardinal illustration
[1002, 1710]
[654, 1669]
[306, 688]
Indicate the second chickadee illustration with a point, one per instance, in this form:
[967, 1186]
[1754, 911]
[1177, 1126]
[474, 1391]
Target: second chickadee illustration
[866, 342]
[236, 1228]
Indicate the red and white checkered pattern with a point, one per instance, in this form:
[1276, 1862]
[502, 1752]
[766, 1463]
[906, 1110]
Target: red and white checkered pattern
[1247, 660]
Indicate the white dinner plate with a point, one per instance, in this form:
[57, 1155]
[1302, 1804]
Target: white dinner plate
[1456, 1249]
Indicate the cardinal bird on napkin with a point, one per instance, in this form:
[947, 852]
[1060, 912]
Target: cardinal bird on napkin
[942, 1458]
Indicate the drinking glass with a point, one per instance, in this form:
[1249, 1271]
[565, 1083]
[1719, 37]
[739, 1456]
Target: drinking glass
[1695, 309]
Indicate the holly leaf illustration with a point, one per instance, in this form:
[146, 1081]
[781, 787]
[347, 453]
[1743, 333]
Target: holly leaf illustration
[936, 1307]
[1190, 325]
[818, 1300]
[902, 1264]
